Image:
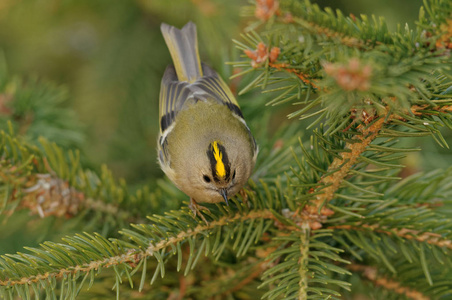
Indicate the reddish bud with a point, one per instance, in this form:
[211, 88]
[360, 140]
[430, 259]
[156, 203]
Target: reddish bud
[261, 54]
[265, 9]
[350, 77]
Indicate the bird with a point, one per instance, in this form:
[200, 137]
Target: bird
[204, 146]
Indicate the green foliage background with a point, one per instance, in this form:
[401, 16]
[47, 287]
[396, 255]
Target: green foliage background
[106, 58]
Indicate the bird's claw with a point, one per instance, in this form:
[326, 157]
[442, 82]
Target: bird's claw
[196, 209]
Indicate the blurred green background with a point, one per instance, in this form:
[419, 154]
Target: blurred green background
[109, 56]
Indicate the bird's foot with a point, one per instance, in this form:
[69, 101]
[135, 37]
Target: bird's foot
[244, 196]
[196, 209]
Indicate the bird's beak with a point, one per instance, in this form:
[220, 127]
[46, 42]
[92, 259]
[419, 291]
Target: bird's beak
[224, 193]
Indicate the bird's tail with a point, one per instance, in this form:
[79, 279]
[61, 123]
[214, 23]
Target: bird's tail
[183, 47]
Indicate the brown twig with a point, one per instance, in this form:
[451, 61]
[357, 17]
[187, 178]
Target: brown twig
[263, 54]
[417, 109]
[371, 274]
[342, 167]
[182, 287]
[131, 257]
[256, 271]
[303, 77]
[405, 233]
[344, 39]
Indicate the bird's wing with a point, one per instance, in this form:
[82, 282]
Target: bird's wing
[213, 87]
[175, 94]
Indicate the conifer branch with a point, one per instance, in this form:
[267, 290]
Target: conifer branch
[49, 195]
[134, 256]
[404, 233]
[265, 10]
[341, 165]
[260, 214]
[371, 274]
[224, 221]
[344, 164]
[316, 29]
[418, 109]
[287, 68]
[46, 194]
[303, 263]
[263, 55]
[131, 257]
[28, 173]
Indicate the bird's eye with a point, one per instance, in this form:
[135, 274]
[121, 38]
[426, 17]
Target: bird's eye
[206, 178]
[233, 175]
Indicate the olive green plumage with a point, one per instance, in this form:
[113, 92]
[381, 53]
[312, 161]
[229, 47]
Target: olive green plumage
[205, 146]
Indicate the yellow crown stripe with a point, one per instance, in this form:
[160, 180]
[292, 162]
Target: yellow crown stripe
[219, 166]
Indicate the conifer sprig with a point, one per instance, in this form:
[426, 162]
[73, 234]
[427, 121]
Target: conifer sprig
[50, 182]
[371, 274]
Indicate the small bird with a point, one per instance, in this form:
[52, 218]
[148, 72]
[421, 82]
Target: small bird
[204, 145]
